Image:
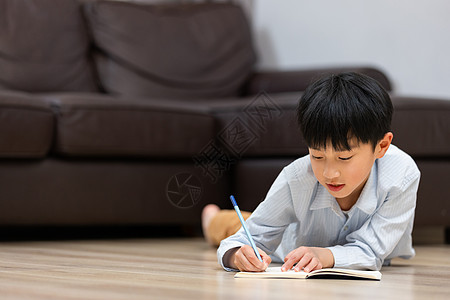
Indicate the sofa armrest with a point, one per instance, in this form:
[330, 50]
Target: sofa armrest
[298, 80]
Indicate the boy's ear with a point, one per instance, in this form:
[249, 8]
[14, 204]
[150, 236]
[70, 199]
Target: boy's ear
[383, 145]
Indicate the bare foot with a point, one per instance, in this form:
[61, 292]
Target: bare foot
[208, 213]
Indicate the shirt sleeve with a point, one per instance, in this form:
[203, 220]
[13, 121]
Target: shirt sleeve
[377, 238]
[267, 223]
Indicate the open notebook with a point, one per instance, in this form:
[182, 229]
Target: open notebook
[275, 272]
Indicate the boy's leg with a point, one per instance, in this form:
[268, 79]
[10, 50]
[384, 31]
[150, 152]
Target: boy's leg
[222, 224]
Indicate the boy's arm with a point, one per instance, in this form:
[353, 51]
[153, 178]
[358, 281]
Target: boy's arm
[228, 258]
[377, 238]
[266, 224]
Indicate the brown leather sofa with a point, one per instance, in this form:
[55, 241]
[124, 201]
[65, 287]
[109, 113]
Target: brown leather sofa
[115, 113]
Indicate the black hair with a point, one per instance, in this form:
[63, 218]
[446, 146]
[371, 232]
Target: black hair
[337, 108]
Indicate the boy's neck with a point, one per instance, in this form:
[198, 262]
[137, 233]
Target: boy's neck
[347, 203]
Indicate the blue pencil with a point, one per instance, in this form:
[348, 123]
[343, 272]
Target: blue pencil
[249, 236]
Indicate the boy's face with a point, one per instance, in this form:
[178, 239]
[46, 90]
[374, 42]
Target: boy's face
[344, 173]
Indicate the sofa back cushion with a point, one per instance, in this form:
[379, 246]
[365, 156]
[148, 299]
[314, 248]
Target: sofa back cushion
[44, 46]
[171, 50]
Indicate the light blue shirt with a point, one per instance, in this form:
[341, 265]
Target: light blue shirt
[299, 211]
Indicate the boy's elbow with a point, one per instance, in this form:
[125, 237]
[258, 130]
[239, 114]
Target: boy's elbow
[378, 265]
[375, 264]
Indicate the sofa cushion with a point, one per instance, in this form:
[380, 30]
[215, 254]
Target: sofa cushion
[266, 125]
[95, 125]
[44, 46]
[262, 125]
[182, 50]
[27, 126]
[422, 126]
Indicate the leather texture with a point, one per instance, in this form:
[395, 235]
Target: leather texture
[421, 126]
[99, 126]
[172, 51]
[101, 192]
[27, 126]
[298, 80]
[268, 125]
[44, 46]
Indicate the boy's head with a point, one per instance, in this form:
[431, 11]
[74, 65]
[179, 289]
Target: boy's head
[339, 108]
[345, 120]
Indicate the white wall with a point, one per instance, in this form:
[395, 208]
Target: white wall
[407, 39]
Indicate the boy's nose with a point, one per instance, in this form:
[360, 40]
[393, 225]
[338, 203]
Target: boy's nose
[330, 172]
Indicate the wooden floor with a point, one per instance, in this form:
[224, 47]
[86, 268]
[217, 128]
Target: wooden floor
[187, 269]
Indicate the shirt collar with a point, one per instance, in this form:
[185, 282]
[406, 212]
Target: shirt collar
[322, 199]
[367, 201]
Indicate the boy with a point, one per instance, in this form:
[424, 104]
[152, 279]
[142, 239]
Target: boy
[349, 203]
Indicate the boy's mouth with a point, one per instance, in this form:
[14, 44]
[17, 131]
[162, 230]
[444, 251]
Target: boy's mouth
[335, 187]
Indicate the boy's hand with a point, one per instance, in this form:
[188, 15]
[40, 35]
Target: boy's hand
[308, 259]
[245, 259]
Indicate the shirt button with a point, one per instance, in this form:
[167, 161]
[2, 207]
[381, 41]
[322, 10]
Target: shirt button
[345, 228]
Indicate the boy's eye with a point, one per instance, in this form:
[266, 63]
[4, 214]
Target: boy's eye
[345, 158]
[316, 157]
